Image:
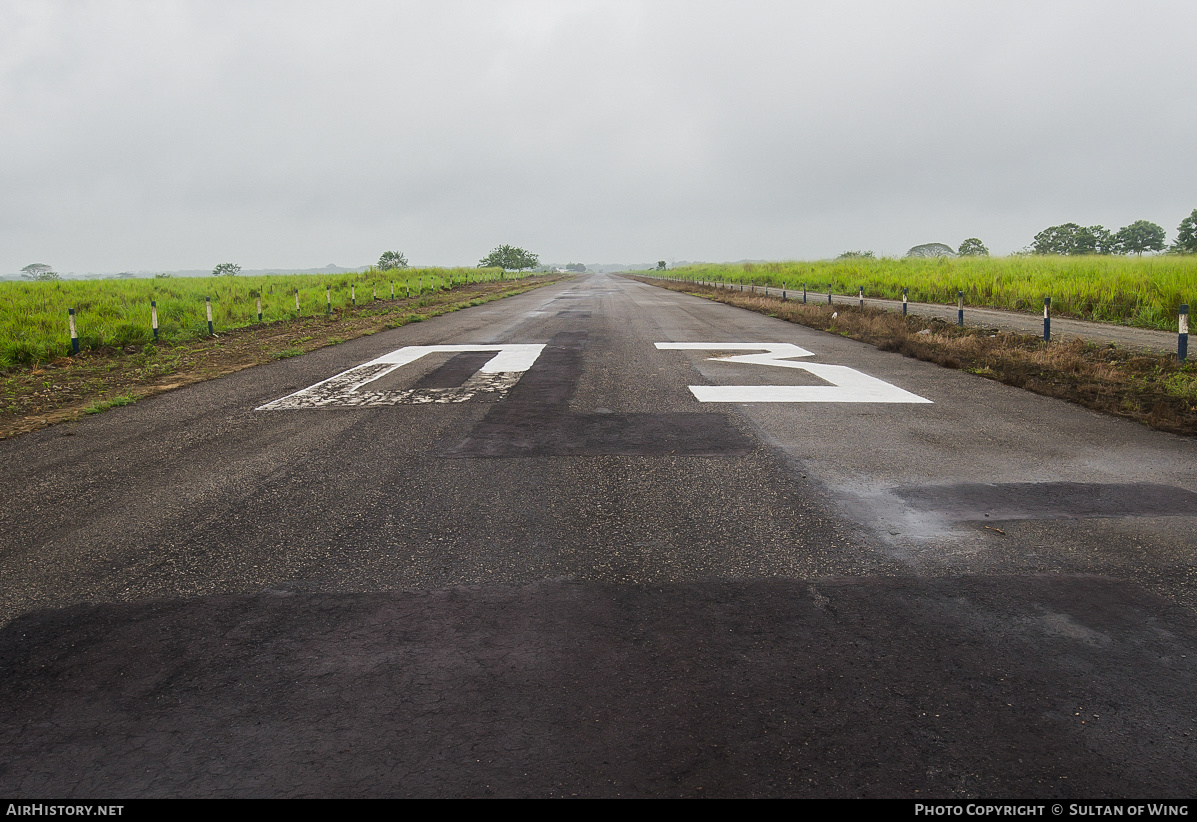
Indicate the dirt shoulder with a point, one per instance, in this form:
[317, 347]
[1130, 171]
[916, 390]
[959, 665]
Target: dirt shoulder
[93, 381]
[1152, 388]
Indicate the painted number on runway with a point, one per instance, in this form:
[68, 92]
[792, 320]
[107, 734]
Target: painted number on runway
[350, 389]
[847, 384]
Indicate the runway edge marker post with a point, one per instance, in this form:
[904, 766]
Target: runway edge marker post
[1182, 339]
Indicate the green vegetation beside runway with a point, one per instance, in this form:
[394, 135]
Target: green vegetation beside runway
[1138, 291]
[116, 313]
[65, 388]
[1152, 388]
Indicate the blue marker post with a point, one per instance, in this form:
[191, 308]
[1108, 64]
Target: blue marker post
[1047, 319]
[903, 302]
[804, 293]
[960, 308]
[154, 317]
[208, 304]
[74, 332]
[1182, 341]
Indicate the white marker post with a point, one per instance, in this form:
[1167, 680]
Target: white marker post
[903, 302]
[208, 303]
[328, 297]
[297, 302]
[74, 332]
[154, 317]
[353, 294]
[960, 308]
[1182, 341]
[1047, 319]
[861, 294]
[258, 300]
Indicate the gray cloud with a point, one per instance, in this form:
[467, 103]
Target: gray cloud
[155, 135]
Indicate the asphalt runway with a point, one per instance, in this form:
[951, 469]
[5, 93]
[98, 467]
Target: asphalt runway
[581, 549]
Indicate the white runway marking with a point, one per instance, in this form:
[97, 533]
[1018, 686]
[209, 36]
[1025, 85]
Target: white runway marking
[345, 389]
[847, 384]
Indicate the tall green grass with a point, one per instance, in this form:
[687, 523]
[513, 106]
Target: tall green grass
[1139, 291]
[116, 313]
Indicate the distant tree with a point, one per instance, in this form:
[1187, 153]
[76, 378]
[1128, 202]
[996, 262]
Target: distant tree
[972, 247]
[392, 259]
[857, 255]
[39, 271]
[126, 275]
[578, 267]
[1186, 236]
[1138, 237]
[509, 258]
[931, 250]
[163, 276]
[661, 265]
[226, 270]
[1071, 238]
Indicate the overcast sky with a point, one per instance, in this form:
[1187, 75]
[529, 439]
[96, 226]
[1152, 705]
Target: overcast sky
[158, 135]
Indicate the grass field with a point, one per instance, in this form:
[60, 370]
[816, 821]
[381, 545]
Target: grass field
[1139, 291]
[116, 313]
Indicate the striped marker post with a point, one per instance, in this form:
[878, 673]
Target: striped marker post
[328, 297]
[208, 305]
[258, 300]
[1047, 319]
[154, 317]
[960, 308]
[74, 331]
[861, 294]
[903, 302]
[1182, 341]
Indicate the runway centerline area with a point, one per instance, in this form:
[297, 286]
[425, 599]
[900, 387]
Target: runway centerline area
[600, 539]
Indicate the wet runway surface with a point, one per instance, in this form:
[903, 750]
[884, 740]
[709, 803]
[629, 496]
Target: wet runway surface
[569, 575]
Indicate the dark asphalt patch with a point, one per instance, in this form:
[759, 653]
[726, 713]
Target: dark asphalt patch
[1017, 686]
[535, 420]
[573, 312]
[456, 370]
[514, 432]
[1050, 500]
